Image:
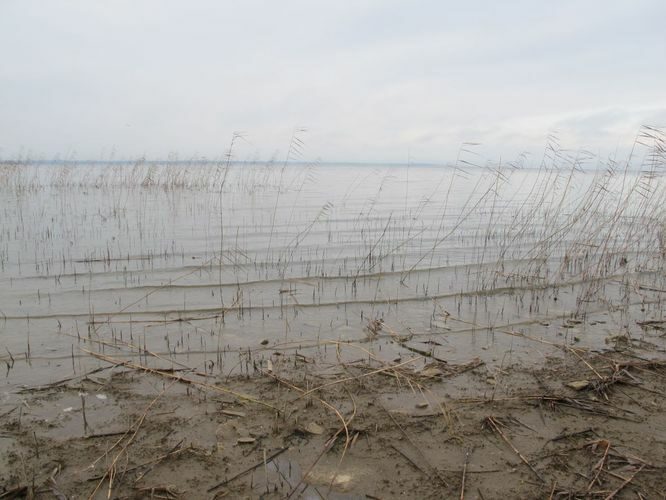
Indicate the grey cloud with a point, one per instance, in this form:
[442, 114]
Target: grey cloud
[372, 80]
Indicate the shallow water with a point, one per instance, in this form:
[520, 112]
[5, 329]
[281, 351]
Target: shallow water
[198, 262]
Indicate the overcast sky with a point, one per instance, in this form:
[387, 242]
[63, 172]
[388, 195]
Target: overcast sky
[370, 80]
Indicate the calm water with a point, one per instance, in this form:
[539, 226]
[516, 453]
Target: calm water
[194, 260]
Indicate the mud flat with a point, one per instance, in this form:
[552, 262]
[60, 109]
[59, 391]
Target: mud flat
[349, 424]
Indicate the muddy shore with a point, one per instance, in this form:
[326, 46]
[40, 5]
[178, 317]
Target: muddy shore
[579, 424]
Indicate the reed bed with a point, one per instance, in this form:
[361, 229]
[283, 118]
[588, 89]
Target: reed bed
[196, 249]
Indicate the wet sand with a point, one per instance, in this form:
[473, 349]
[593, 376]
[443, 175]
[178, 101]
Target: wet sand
[578, 424]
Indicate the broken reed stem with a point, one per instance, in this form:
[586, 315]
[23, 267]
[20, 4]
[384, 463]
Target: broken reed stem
[491, 421]
[599, 466]
[111, 470]
[345, 424]
[388, 367]
[172, 452]
[265, 470]
[329, 444]
[348, 440]
[83, 411]
[552, 491]
[410, 460]
[356, 377]
[179, 378]
[573, 351]
[117, 344]
[446, 413]
[265, 460]
[464, 472]
[561, 346]
[418, 450]
[303, 393]
[623, 485]
[34, 435]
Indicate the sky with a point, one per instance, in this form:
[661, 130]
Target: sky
[367, 80]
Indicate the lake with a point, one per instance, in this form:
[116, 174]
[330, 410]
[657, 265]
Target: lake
[203, 263]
